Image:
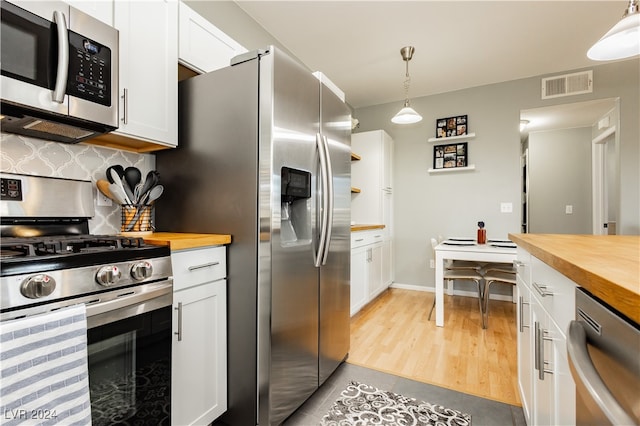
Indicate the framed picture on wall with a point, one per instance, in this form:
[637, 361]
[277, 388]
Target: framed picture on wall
[451, 126]
[450, 156]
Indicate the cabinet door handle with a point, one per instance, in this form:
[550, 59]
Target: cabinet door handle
[541, 336]
[179, 332]
[518, 263]
[204, 265]
[360, 239]
[521, 304]
[542, 289]
[125, 100]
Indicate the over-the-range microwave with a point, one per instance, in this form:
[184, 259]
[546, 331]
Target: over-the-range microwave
[59, 72]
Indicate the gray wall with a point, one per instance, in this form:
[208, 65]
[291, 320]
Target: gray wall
[450, 204]
[560, 175]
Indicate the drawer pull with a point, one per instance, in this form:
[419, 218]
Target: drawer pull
[542, 290]
[204, 265]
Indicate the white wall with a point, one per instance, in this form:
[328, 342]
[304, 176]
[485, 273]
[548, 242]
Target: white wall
[560, 175]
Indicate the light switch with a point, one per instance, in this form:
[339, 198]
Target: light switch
[506, 207]
[568, 209]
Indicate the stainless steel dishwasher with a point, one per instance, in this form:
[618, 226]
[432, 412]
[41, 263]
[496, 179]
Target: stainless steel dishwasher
[604, 357]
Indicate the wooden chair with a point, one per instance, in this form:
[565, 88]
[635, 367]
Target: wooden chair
[491, 277]
[467, 274]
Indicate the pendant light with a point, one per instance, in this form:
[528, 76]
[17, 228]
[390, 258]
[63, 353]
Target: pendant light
[407, 115]
[623, 40]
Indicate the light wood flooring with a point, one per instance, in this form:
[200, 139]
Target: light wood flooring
[392, 334]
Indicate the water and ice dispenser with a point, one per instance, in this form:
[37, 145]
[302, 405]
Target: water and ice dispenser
[295, 206]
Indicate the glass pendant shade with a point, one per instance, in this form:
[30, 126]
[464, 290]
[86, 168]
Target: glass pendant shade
[406, 115]
[622, 41]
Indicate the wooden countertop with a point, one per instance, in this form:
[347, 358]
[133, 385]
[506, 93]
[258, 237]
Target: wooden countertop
[361, 227]
[179, 241]
[608, 266]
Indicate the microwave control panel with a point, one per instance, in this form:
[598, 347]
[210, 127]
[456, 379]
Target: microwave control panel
[89, 70]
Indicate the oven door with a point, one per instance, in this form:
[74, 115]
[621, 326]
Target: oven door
[129, 346]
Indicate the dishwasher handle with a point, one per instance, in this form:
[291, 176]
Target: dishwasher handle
[586, 376]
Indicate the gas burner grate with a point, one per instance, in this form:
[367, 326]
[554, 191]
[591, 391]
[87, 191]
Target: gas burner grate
[66, 245]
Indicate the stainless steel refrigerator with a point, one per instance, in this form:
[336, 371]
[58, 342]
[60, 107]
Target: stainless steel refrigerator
[264, 155]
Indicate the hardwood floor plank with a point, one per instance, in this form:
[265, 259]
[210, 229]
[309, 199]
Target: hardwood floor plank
[392, 334]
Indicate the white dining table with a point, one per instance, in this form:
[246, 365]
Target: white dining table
[470, 251]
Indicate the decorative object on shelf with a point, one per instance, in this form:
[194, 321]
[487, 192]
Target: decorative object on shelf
[451, 126]
[621, 41]
[482, 233]
[406, 115]
[450, 156]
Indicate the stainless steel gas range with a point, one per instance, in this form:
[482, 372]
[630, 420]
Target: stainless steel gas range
[49, 261]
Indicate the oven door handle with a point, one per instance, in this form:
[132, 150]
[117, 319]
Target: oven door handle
[586, 375]
[129, 302]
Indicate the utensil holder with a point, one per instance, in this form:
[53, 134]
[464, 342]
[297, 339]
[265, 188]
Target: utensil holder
[141, 216]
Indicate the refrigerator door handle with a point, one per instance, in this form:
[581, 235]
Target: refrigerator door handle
[324, 220]
[329, 206]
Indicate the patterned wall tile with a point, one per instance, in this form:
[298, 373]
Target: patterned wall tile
[29, 156]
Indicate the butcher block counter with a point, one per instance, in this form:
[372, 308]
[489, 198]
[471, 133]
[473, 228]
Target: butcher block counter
[608, 266]
[180, 241]
[361, 227]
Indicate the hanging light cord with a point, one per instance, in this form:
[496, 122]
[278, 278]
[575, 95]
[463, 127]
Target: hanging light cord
[407, 82]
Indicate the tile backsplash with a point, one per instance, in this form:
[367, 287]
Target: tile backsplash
[29, 156]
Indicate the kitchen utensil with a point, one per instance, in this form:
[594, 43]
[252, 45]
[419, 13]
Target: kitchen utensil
[154, 194]
[119, 170]
[118, 182]
[150, 181]
[132, 176]
[149, 197]
[103, 187]
[118, 193]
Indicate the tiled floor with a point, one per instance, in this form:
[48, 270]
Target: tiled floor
[482, 411]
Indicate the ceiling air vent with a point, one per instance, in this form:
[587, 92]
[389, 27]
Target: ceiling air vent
[567, 84]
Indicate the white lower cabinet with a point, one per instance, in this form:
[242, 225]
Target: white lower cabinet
[199, 349]
[368, 267]
[546, 304]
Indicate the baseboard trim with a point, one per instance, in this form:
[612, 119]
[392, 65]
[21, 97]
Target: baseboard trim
[463, 293]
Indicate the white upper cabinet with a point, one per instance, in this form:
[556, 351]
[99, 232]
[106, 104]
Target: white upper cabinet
[148, 70]
[373, 175]
[202, 46]
[102, 10]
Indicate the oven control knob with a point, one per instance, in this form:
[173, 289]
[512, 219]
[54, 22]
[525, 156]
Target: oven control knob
[38, 286]
[141, 270]
[108, 275]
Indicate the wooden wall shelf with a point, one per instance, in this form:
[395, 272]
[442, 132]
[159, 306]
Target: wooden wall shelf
[453, 169]
[453, 138]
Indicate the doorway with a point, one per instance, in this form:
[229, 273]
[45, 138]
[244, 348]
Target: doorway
[569, 168]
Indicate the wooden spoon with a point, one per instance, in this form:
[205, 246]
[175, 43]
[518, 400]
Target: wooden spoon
[103, 186]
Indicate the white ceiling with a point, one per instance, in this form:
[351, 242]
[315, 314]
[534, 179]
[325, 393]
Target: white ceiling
[457, 44]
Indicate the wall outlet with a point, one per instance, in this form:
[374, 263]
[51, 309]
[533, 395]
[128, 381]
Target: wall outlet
[103, 201]
[568, 209]
[506, 207]
[432, 263]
